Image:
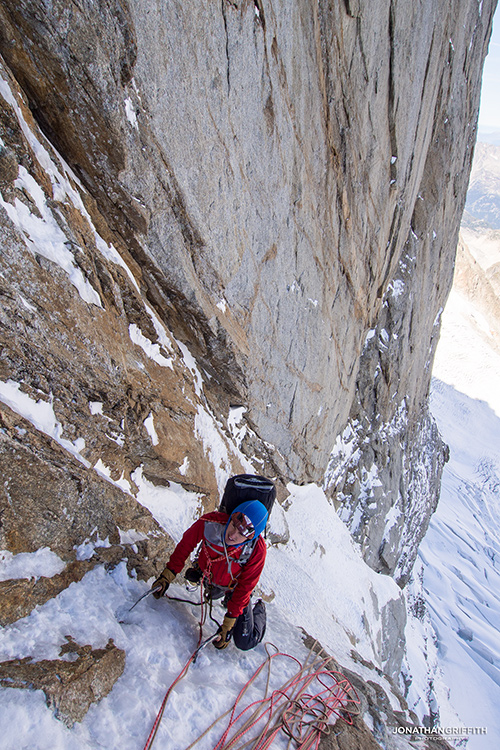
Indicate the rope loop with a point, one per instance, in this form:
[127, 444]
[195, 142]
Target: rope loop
[302, 708]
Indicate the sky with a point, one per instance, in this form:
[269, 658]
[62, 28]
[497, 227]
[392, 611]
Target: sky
[489, 113]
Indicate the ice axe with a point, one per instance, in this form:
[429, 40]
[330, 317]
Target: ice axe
[151, 591]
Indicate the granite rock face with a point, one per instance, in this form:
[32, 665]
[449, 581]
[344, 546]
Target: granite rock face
[70, 687]
[227, 233]
[263, 165]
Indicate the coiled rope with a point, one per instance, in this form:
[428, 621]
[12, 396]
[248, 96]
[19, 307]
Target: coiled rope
[301, 715]
[294, 708]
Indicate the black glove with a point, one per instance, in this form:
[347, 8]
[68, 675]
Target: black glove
[162, 583]
[225, 631]
[193, 575]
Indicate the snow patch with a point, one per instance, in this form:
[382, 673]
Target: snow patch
[237, 427]
[130, 112]
[173, 507]
[42, 563]
[150, 427]
[43, 236]
[207, 430]
[396, 287]
[183, 468]
[85, 550]
[41, 415]
[105, 473]
[151, 350]
[190, 363]
[131, 536]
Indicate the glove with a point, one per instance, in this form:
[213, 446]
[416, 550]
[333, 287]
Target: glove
[193, 575]
[225, 632]
[162, 583]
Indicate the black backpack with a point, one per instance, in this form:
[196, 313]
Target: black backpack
[243, 487]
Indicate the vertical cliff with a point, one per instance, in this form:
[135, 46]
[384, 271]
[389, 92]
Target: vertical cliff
[284, 183]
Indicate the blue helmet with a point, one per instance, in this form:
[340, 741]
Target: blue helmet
[256, 512]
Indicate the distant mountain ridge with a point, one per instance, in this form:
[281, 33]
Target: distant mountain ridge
[483, 197]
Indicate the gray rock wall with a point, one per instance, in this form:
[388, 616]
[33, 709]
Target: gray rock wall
[272, 170]
[385, 473]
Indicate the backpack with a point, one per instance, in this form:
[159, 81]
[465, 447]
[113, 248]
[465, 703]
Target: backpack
[244, 487]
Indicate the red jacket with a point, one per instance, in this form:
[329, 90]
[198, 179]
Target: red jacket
[212, 559]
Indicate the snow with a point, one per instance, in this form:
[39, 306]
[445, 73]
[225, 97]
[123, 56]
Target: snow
[159, 636]
[391, 520]
[214, 445]
[151, 350]
[131, 536]
[209, 431]
[190, 364]
[43, 235]
[130, 112]
[183, 468]
[105, 472]
[397, 287]
[161, 332]
[173, 507]
[320, 581]
[41, 414]
[459, 555]
[149, 424]
[317, 581]
[465, 360]
[86, 549]
[237, 426]
[43, 562]
[61, 178]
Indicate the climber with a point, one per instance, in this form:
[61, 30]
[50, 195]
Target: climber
[229, 564]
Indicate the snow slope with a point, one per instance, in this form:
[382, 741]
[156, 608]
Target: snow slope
[159, 637]
[460, 554]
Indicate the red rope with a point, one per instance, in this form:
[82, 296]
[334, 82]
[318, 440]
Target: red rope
[207, 575]
[159, 715]
[181, 674]
[304, 717]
